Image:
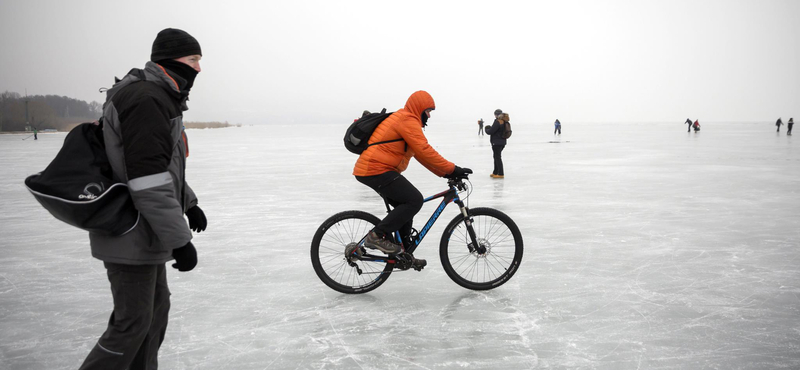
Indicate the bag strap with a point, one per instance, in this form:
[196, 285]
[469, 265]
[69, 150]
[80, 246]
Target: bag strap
[384, 142]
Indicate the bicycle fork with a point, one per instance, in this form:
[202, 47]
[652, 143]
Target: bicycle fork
[474, 245]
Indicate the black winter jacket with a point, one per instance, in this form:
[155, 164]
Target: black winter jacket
[146, 146]
[496, 131]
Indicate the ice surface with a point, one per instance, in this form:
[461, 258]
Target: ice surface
[645, 247]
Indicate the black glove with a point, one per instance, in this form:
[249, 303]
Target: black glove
[185, 257]
[458, 172]
[197, 219]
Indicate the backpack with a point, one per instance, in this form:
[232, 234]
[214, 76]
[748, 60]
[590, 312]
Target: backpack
[77, 187]
[507, 129]
[357, 136]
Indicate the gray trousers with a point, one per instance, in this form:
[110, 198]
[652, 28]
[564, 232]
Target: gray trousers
[137, 325]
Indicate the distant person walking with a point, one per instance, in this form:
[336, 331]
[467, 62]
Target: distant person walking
[558, 127]
[480, 127]
[496, 131]
[696, 125]
[35, 134]
[778, 124]
[689, 123]
[147, 149]
[789, 126]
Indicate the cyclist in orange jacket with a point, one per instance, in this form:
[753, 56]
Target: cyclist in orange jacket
[380, 167]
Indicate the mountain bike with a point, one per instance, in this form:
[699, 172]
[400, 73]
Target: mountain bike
[480, 249]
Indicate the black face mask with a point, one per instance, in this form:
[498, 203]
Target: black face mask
[183, 70]
[424, 119]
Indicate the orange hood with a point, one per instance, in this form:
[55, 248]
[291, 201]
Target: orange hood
[418, 102]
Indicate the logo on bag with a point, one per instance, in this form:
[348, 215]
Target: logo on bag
[87, 191]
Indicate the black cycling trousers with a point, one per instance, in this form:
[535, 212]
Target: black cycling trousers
[401, 194]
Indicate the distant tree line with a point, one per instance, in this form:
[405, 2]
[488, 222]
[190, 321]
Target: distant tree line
[204, 125]
[44, 112]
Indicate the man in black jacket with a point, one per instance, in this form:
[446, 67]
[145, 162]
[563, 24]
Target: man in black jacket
[147, 149]
[498, 143]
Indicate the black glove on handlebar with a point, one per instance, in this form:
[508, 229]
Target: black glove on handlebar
[458, 172]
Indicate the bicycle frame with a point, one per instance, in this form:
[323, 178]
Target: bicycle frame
[449, 195]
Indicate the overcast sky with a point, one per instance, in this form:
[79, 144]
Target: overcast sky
[326, 61]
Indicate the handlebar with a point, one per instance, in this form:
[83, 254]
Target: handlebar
[458, 182]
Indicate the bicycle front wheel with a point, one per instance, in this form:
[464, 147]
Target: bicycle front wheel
[493, 261]
[328, 258]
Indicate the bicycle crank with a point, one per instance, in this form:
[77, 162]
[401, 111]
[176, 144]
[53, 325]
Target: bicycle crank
[405, 261]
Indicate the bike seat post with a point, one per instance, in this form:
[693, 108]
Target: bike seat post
[386, 202]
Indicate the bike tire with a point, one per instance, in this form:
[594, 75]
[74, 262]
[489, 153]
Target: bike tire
[327, 254]
[494, 230]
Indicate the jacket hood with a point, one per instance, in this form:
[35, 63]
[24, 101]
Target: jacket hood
[418, 102]
[154, 73]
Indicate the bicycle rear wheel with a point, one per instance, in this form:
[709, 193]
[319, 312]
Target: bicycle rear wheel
[493, 262]
[328, 259]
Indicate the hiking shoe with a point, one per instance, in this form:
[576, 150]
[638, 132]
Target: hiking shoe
[496, 176]
[374, 241]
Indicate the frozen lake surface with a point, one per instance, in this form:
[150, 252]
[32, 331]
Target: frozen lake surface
[646, 247]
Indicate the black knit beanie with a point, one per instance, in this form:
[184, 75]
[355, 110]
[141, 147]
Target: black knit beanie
[172, 43]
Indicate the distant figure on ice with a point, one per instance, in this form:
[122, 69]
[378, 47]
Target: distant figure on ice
[558, 127]
[778, 124]
[495, 132]
[789, 126]
[36, 132]
[696, 125]
[147, 149]
[688, 122]
[480, 127]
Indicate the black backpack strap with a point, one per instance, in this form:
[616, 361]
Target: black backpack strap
[384, 142]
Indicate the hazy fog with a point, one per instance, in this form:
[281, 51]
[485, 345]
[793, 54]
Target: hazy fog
[326, 61]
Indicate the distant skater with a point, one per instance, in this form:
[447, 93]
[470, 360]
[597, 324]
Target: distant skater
[696, 125]
[688, 122]
[480, 127]
[778, 124]
[36, 132]
[495, 132]
[789, 126]
[558, 127]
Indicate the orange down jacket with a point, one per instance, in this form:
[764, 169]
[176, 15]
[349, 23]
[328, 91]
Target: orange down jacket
[404, 124]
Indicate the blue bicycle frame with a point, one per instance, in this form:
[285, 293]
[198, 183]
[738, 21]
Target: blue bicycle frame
[449, 195]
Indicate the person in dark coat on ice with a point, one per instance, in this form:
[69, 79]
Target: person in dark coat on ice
[498, 142]
[778, 124]
[688, 122]
[147, 150]
[789, 126]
